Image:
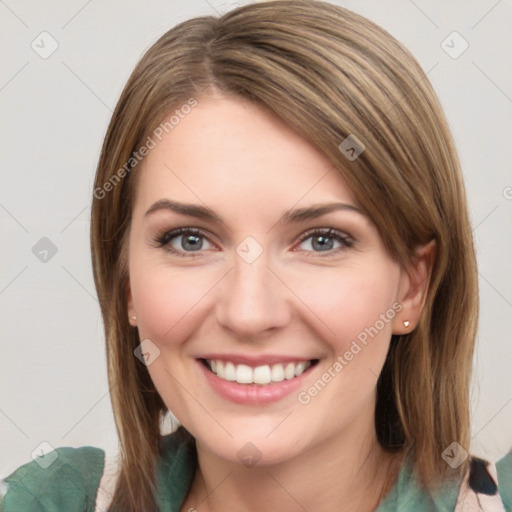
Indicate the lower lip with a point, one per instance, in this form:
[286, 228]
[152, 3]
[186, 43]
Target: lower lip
[255, 394]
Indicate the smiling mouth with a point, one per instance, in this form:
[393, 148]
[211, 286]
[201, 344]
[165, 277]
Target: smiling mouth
[262, 375]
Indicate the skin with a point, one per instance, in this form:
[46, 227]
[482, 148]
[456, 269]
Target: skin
[248, 167]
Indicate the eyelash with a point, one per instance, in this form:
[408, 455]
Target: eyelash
[163, 241]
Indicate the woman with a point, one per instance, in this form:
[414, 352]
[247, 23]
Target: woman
[284, 261]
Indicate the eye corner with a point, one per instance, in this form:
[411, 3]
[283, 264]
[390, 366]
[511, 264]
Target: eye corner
[346, 240]
[163, 238]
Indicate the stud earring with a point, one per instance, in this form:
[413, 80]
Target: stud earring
[407, 323]
[134, 318]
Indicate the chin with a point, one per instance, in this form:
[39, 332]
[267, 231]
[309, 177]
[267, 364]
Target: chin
[249, 447]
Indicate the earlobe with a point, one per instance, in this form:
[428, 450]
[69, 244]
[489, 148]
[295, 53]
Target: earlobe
[130, 307]
[413, 288]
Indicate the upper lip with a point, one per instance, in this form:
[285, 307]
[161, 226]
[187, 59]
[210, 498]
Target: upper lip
[255, 361]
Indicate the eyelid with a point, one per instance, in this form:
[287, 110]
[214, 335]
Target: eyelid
[173, 233]
[325, 231]
[329, 232]
[345, 239]
[176, 233]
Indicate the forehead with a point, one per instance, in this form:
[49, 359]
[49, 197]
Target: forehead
[230, 149]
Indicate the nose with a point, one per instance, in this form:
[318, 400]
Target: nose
[252, 299]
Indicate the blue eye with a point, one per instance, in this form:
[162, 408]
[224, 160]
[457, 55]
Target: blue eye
[193, 241]
[325, 239]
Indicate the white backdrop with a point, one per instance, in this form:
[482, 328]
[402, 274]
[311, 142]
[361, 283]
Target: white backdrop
[57, 92]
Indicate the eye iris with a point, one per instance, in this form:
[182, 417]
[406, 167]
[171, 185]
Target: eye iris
[324, 246]
[191, 241]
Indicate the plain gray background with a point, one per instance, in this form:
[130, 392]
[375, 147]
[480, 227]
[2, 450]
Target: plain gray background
[55, 112]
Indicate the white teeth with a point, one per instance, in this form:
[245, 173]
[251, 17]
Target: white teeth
[262, 375]
[229, 371]
[300, 368]
[289, 371]
[220, 369]
[243, 374]
[277, 373]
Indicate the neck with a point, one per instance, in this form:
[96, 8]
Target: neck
[347, 473]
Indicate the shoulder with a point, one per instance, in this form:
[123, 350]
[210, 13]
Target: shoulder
[504, 479]
[63, 479]
[488, 486]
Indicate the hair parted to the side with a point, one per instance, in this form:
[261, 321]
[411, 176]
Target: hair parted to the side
[328, 73]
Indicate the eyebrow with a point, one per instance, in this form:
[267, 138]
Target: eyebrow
[290, 216]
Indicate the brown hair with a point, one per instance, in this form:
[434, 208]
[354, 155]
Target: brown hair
[328, 73]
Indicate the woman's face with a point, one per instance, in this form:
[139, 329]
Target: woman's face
[259, 290]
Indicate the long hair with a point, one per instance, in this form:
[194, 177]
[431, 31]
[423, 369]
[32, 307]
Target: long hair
[329, 74]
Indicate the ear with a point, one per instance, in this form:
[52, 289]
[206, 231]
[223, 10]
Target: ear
[413, 288]
[132, 318]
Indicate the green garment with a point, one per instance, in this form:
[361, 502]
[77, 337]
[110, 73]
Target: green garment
[70, 483]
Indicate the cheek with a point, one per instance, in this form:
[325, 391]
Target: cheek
[170, 304]
[354, 313]
[167, 300]
[350, 303]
